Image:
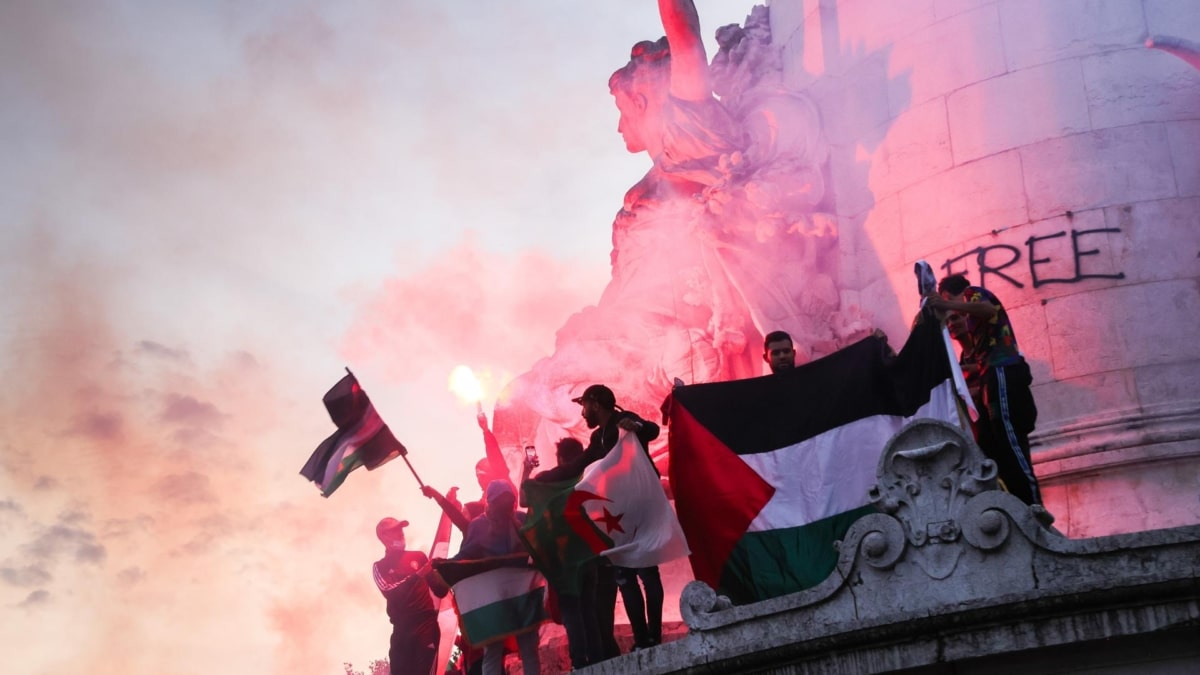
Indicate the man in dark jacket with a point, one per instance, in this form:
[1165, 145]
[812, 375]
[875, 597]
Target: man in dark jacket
[598, 407]
[494, 536]
[401, 577]
[997, 372]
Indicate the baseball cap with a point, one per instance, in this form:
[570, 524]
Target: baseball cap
[598, 393]
[387, 525]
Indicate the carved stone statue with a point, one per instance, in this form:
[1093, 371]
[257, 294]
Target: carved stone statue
[719, 243]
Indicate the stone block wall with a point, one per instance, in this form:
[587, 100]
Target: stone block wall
[1041, 148]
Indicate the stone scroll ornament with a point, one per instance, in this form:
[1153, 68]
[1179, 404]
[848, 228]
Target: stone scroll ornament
[723, 240]
[927, 473]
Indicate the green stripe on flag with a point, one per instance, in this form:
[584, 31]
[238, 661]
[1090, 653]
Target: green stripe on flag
[345, 466]
[777, 562]
[500, 619]
[556, 548]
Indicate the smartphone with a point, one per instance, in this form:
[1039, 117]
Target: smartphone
[531, 454]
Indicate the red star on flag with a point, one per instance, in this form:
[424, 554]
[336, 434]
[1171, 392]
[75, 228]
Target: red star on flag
[612, 522]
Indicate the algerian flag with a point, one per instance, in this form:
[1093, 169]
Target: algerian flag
[623, 497]
[768, 472]
[495, 604]
[616, 508]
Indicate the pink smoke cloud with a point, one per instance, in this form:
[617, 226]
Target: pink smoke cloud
[468, 305]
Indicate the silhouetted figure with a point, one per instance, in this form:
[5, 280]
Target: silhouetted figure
[999, 377]
[401, 577]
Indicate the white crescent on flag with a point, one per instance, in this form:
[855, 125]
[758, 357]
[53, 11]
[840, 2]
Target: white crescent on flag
[627, 503]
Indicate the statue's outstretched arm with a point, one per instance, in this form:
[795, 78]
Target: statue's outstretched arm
[689, 63]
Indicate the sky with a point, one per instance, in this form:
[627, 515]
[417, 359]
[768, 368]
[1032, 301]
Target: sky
[207, 211]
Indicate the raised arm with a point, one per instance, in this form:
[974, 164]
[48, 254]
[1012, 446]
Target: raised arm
[497, 467]
[689, 63]
[526, 469]
[450, 506]
[981, 309]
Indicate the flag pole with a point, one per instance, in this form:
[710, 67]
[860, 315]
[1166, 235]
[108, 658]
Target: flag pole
[405, 455]
[966, 404]
[414, 471]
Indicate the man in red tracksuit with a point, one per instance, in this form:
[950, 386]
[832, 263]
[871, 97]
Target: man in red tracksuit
[401, 577]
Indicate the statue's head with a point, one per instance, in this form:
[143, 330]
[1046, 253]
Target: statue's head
[640, 88]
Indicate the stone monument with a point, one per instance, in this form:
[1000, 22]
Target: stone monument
[726, 238]
[1049, 150]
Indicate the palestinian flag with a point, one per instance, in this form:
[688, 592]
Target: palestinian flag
[500, 602]
[769, 472]
[616, 508]
[361, 439]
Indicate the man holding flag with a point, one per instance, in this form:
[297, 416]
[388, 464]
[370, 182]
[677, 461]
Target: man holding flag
[577, 605]
[769, 472]
[599, 408]
[401, 577]
[491, 467]
[609, 503]
[995, 363]
[496, 592]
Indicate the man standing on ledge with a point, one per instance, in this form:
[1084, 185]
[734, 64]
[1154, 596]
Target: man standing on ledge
[779, 352]
[990, 354]
[598, 407]
[401, 577]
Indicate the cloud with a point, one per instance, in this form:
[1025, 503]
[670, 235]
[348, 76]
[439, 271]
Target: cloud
[66, 542]
[187, 410]
[100, 426]
[162, 306]
[130, 576]
[118, 528]
[36, 599]
[158, 350]
[72, 517]
[29, 575]
[185, 488]
[44, 483]
[194, 439]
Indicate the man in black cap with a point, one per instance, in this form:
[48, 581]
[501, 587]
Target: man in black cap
[598, 407]
[401, 577]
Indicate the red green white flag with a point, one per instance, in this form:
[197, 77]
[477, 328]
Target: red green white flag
[769, 472]
[616, 507]
[498, 603]
[622, 496]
